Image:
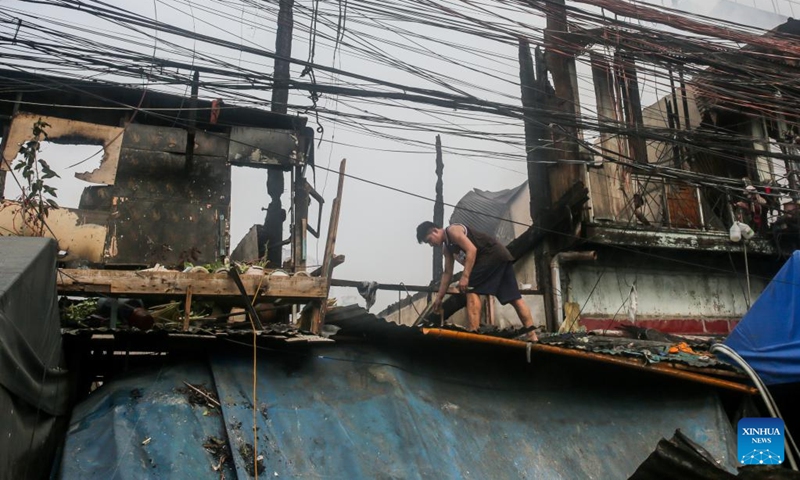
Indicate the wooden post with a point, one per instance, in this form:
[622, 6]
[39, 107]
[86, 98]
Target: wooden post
[187, 307]
[318, 315]
[438, 211]
[273, 223]
[301, 197]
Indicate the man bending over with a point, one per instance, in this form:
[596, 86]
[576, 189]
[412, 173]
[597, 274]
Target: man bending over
[488, 270]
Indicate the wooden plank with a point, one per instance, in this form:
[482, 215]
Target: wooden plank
[318, 319]
[128, 282]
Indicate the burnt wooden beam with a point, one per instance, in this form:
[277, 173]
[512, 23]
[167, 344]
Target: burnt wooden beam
[318, 317]
[533, 88]
[251, 310]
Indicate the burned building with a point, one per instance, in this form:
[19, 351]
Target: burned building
[162, 192]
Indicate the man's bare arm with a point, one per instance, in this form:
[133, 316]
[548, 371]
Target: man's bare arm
[459, 237]
[447, 275]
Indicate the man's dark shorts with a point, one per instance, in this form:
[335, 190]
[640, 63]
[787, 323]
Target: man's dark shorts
[498, 280]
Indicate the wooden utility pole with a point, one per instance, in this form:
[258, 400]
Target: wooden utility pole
[438, 210]
[534, 98]
[273, 223]
[192, 130]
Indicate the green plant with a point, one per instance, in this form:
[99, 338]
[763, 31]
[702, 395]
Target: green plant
[38, 197]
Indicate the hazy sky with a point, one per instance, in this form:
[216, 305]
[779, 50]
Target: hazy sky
[376, 231]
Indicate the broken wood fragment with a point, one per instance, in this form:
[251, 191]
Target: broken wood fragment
[208, 397]
[335, 262]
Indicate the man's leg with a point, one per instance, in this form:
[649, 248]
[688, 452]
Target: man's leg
[524, 314]
[473, 311]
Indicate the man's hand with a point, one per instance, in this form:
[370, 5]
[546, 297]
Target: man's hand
[437, 305]
[463, 284]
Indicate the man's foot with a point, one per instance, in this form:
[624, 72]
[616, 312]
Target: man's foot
[528, 334]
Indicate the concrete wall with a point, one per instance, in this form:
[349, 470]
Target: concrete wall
[408, 314]
[679, 300]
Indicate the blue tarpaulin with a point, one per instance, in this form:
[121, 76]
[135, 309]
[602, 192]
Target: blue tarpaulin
[361, 411]
[768, 337]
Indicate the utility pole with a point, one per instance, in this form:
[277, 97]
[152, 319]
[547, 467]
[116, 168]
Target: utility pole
[273, 223]
[438, 210]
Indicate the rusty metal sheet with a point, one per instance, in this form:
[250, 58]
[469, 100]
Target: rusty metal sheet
[96, 197]
[264, 147]
[161, 212]
[145, 232]
[147, 174]
[159, 139]
[173, 140]
[247, 249]
[211, 144]
[70, 132]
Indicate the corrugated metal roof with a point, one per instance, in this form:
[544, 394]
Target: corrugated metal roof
[483, 211]
[354, 320]
[435, 410]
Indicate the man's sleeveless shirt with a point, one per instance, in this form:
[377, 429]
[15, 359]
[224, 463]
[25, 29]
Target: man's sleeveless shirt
[490, 251]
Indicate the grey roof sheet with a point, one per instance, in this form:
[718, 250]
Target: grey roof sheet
[484, 211]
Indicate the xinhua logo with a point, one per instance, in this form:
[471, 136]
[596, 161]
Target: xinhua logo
[760, 441]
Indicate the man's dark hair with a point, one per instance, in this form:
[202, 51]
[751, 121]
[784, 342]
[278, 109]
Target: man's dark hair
[423, 229]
